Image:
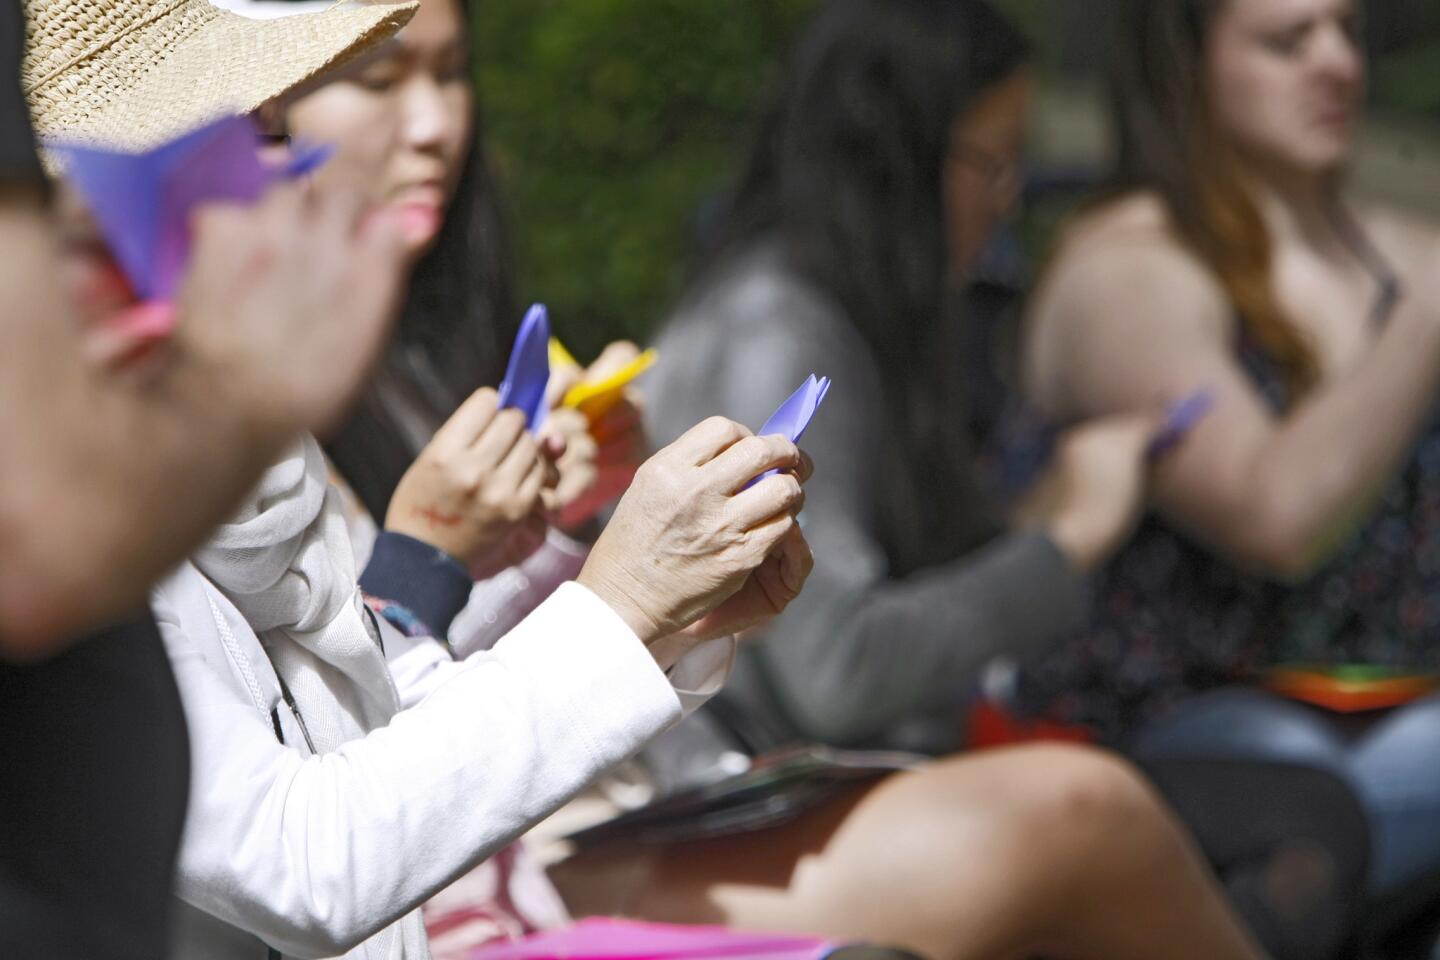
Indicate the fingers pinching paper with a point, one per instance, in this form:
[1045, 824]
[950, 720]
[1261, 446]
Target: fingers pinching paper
[794, 415]
[595, 398]
[529, 369]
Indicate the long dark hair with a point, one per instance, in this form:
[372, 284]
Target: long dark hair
[1169, 145]
[848, 169]
[452, 338]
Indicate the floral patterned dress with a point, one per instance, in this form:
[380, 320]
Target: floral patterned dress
[1172, 619]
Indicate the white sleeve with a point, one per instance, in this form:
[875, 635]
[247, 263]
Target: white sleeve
[315, 854]
[422, 664]
[502, 601]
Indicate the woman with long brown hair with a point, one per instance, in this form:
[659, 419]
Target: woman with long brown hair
[1298, 524]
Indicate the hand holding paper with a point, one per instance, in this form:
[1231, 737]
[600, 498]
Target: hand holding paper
[595, 398]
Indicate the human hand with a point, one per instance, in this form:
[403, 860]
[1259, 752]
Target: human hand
[289, 301]
[476, 483]
[689, 535]
[1092, 499]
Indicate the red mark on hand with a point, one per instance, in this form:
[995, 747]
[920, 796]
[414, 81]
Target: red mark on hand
[437, 518]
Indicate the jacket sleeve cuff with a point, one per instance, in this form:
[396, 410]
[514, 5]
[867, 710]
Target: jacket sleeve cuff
[590, 661]
[428, 582]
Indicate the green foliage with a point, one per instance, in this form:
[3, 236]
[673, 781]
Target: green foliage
[611, 120]
[1409, 81]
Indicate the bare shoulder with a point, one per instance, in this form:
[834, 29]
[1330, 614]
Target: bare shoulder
[1123, 258]
[1407, 241]
[1119, 284]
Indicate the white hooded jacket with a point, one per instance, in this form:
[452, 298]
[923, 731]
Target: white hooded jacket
[301, 854]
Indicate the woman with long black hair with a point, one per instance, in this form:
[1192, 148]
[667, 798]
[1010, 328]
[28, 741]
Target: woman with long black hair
[880, 173]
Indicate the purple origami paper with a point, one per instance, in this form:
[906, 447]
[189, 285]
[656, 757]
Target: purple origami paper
[142, 201]
[1182, 417]
[528, 372]
[794, 415]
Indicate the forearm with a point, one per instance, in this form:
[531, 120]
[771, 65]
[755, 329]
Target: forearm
[855, 656]
[497, 604]
[1324, 465]
[314, 854]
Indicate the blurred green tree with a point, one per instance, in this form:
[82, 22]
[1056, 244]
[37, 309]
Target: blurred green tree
[611, 120]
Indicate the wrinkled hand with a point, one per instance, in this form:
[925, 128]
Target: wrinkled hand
[688, 544]
[1095, 493]
[474, 488]
[291, 300]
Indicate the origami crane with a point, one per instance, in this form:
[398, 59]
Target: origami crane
[528, 372]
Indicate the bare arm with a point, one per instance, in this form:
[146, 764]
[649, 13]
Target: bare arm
[1128, 323]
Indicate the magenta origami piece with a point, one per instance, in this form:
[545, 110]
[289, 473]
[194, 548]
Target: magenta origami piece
[142, 201]
[528, 372]
[622, 940]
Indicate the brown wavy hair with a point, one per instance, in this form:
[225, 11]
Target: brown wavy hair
[1168, 144]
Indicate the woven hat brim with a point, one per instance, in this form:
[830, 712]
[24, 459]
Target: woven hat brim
[230, 65]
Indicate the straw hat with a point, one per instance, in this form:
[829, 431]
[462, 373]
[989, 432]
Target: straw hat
[134, 73]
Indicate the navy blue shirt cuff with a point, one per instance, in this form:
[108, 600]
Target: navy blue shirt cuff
[428, 582]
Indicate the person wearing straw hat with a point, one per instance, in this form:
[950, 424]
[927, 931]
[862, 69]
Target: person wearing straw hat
[72, 559]
[321, 817]
[111, 474]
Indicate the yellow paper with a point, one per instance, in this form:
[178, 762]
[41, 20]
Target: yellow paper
[559, 356]
[595, 398]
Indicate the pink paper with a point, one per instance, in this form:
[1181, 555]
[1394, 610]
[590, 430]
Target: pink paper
[624, 940]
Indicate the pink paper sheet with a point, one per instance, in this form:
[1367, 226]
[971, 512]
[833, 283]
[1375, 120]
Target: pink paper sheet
[624, 940]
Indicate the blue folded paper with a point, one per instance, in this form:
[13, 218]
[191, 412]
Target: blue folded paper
[1182, 417]
[528, 372]
[794, 415]
[142, 201]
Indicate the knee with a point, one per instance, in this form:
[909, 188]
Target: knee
[1068, 800]
[1078, 789]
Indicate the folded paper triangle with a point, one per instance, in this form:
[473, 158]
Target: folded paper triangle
[528, 372]
[142, 201]
[795, 414]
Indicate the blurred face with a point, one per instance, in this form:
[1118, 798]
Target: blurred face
[90, 275]
[982, 175]
[1286, 79]
[418, 84]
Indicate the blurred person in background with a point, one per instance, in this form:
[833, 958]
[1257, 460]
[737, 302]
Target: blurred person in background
[1298, 525]
[814, 876]
[882, 169]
